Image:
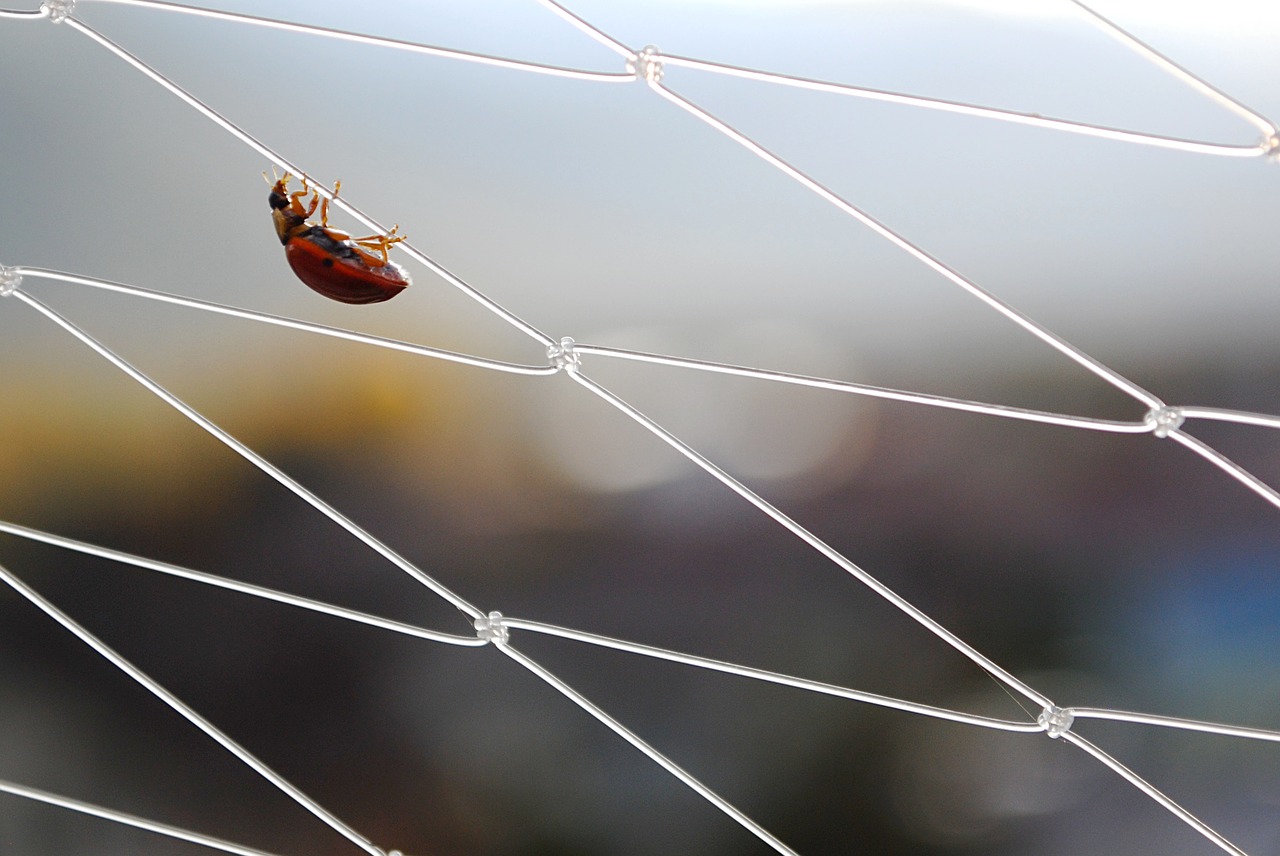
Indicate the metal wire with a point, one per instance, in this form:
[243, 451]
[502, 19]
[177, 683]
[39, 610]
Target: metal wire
[238, 586]
[129, 820]
[647, 64]
[1034, 120]
[144, 680]
[253, 458]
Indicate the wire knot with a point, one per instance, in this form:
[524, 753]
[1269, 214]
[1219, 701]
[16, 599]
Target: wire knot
[491, 628]
[646, 65]
[58, 10]
[563, 355]
[10, 279]
[1271, 147]
[1164, 420]
[1055, 721]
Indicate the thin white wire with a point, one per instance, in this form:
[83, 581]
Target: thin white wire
[945, 402]
[1188, 78]
[1109, 425]
[340, 202]
[253, 457]
[1227, 465]
[653, 754]
[1175, 722]
[1010, 116]
[187, 712]
[630, 647]
[1254, 150]
[816, 543]
[237, 585]
[1060, 345]
[590, 30]
[378, 41]
[1043, 334]
[292, 323]
[622, 645]
[1154, 793]
[129, 820]
[1102, 371]
[771, 677]
[1220, 415]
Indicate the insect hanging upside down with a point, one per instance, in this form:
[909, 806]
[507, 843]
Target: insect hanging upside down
[350, 270]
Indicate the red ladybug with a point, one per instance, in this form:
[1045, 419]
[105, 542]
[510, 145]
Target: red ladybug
[350, 270]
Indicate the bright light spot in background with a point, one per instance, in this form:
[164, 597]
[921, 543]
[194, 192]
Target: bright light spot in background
[754, 429]
[959, 787]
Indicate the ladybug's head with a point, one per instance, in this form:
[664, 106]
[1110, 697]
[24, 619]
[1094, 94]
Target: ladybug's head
[279, 197]
[283, 213]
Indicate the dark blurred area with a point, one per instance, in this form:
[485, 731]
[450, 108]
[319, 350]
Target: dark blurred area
[1114, 571]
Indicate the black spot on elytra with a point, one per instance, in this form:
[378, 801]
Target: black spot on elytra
[327, 262]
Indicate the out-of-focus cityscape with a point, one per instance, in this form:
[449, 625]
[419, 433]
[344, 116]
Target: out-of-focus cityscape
[1104, 570]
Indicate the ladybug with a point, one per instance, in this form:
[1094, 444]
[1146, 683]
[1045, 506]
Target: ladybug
[342, 268]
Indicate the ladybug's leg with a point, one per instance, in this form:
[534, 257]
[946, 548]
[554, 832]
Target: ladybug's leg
[381, 243]
[324, 206]
[296, 206]
[336, 234]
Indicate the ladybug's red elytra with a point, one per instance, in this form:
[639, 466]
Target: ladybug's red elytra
[350, 270]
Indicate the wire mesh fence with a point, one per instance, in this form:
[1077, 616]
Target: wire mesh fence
[736, 561]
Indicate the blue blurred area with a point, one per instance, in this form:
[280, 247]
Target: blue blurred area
[1212, 607]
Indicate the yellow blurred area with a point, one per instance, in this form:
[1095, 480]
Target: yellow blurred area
[75, 442]
[488, 450]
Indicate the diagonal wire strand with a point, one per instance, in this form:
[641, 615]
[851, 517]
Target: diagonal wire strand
[1183, 75]
[238, 586]
[897, 600]
[652, 753]
[378, 41]
[1039, 331]
[1154, 793]
[1000, 410]
[1005, 411]
[279, 321]
[253, 457]
[1011, 116]
[1227, 465]
[1267, 145]
[771, 677]
[629, 647]
[593, 32]
[187, 713]
[1059, 344]
[1175, 722]
[128, 819]
[277, 159]
[1216, 413]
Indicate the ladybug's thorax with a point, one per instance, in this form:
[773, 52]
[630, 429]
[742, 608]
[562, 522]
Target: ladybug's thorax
[287, 224]
[284, 214]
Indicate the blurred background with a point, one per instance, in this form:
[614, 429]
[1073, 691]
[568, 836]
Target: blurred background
[1104, 570]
